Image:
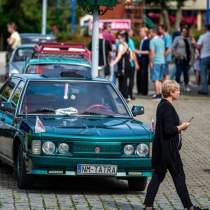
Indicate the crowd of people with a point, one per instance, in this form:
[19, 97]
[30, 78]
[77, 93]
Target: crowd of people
[157, 50]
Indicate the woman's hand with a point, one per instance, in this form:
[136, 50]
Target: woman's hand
[111, 64]
[151, 66]
[184, 126]
[137, 51]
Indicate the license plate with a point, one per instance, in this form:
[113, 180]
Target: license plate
[84, 169]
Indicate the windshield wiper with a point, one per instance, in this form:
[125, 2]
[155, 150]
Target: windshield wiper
[44, 109]
[96, 113]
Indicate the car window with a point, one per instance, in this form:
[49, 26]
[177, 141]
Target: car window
[40, 68]
[78, 96]
[22, 53]
[17, 93]
[7, 90]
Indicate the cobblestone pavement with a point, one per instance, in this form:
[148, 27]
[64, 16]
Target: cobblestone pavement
[64, 193]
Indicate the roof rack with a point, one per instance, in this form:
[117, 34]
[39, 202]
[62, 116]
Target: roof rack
[62, 48]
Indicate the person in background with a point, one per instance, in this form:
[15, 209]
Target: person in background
[197, 68]
[143, 58]
[175, 34]
[168, 49]
[166, 146]
[109, 37]
[181, 51]
[134, 63]
[203, 45]
[115, 55]
[123, 60]
[192, 53]
[107, 33]
[13, 41]
[108, 53]
[156, 61]
[178, 31]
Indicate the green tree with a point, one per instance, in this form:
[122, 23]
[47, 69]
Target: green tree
[180, 4]
[164, 9]
[26, 14]
[163, 4]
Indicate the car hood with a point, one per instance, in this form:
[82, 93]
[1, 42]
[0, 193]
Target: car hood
[17, 65]
[90, 126]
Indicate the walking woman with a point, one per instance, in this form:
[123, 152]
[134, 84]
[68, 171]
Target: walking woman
[124, 56]
[181, 51]
[166, 146]
[143, 58]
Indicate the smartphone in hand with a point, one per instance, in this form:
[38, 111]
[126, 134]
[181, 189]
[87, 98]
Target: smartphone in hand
[191, 120]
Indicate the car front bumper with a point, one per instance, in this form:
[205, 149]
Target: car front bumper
[67, 166]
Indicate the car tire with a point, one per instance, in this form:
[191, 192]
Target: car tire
[24, 181]
[138, 183]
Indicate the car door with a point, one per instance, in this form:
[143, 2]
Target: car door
[9, 124]
[5, 116]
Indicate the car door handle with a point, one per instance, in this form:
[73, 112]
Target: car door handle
[2, 119]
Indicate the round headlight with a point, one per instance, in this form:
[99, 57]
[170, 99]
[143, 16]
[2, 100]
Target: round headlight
[48, 147]
[128, 149]
[63, 148]
[14, 71]
[142, 150]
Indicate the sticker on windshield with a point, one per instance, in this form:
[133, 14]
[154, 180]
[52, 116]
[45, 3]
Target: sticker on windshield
[68, 111]
[66, 91]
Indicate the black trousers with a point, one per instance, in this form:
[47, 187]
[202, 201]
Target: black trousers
[131, 81]
[179, 182]
[123, 84]
[142, 78]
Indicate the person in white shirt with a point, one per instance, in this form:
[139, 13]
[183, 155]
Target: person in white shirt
[203, 45]
[14, 40]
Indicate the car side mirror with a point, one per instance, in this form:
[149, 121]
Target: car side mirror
[7, 106]
[137, 110]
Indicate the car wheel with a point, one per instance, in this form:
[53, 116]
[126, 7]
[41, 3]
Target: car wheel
[24, 181]
[138, 184]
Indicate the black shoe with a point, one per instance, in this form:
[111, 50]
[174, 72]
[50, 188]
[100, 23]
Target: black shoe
[133, 98]
[157, 98]
[202, 93]
[198, 208]
[152, 209]
[139, 94]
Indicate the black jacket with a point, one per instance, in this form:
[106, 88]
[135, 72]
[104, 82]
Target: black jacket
[165, 147]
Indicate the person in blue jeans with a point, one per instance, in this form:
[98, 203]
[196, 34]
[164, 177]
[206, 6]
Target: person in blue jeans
[156, 61]
[176, 34]
[168, 49]
[181, 51]
[203, 45]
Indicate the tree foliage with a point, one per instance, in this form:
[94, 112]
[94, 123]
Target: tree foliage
[27, 14]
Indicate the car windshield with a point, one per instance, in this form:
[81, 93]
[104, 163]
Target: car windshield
[22, 53]
[72, 97]
[40, 68]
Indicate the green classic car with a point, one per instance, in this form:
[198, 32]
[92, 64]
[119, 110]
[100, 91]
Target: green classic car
[72, 126]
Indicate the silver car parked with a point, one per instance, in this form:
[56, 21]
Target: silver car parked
[18, 58]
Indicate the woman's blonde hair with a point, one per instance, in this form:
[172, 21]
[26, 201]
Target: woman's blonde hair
[145, 29]
[169, 86]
